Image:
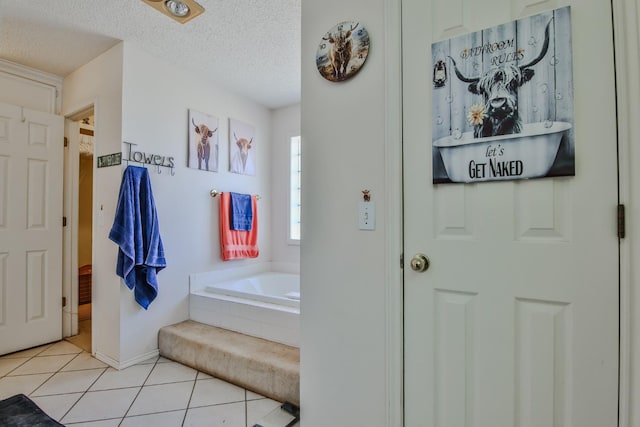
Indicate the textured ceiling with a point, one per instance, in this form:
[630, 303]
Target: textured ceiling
[250, 47]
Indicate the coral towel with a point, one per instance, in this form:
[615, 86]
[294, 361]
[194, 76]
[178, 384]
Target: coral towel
[236, 244]
[136, 231]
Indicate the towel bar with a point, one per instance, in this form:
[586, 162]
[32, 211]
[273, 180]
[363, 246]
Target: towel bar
[215, 193]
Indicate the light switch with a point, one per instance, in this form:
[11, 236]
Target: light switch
[367, 216]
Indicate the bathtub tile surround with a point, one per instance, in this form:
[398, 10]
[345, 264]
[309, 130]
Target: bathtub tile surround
[269, 368]
[78, 390]
[260, 319]
[261, 300]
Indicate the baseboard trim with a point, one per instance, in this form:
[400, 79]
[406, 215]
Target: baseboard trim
[123, 365]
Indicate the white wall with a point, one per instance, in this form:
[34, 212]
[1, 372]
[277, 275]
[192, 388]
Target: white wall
[138, 104]
[100, 82]
[343, 270]
[155, 116]
[285, 124]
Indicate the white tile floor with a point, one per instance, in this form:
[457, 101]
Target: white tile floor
[78, 390]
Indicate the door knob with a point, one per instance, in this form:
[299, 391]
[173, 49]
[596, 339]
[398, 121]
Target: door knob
[420, 263]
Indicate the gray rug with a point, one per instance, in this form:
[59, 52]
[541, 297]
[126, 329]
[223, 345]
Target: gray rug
[20, 411]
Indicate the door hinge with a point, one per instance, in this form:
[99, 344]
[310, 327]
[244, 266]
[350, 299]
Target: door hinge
[401, 260]
[64, 221]
[64, 301]
[621, 222]
[66, 142]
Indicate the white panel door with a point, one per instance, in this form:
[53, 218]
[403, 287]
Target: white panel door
[31, 162]
[515, 323]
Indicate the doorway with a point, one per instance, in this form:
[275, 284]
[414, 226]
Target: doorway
[79, 175]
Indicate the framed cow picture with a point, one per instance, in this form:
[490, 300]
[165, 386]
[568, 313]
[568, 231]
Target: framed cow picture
[503, 102]
[203, 141]
[241, 148]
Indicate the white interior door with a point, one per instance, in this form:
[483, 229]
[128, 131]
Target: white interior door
[515, 323]
[31, 163]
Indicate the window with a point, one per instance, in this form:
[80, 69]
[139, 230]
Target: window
[294, 191]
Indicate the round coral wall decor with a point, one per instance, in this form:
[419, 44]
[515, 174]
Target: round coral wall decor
[342, 51]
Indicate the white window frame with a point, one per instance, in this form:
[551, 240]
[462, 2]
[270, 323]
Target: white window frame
[295, 172]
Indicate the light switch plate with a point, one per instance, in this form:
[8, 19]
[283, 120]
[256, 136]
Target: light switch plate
[367, 216]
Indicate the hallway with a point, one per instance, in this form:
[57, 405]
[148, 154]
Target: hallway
[83, 339]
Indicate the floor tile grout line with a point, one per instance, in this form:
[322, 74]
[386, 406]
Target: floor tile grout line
[193, 389]
[45, 347]
[55, 373]
[139, 391]
[69, 392]
[61, 354]
[188, 403]
[85, 422]
[246, 409]
[9, 373]
[84, 393]
[170, 411]
[66, 393]
[29, 359]
[216, 404]
[44, 373]
[114, 388]
[146, 415]
[31, 375]
[89, 389]
[169, 382]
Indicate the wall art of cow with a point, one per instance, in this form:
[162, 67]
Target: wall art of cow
[499, 88]
[203, 148]
[341, 50]
[242, 162]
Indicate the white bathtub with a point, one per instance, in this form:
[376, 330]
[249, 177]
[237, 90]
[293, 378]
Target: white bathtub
[276, 288]
[264, 305]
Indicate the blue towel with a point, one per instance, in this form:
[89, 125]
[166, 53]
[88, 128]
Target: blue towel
[135, 230]
[241, 212]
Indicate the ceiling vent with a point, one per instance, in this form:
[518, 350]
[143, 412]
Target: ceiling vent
[180, 10]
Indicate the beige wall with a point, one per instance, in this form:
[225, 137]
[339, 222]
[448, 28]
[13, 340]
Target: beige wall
[85, 209]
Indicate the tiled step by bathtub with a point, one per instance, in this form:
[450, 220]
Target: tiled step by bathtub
[269, 368]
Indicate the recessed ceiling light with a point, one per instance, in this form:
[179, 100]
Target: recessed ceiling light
[180, 10]
[177, 8]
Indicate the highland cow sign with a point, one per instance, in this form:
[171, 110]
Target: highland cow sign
[503, 102]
